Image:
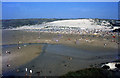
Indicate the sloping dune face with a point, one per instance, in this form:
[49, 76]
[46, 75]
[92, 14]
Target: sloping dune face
[63, 24]
[79, 23]
[71, 23]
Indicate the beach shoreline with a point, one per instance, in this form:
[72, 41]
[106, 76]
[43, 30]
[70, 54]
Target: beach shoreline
[17, 57]
[84, 50]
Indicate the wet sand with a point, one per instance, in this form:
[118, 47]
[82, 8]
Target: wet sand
[60, 54]
[18, 57]
[76, 40]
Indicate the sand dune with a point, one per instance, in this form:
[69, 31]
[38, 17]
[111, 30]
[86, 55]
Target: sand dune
[79, 23]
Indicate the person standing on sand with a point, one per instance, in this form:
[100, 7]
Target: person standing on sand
[104, 45]
[30, 71]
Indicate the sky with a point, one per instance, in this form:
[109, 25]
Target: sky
[23, 10]
[59, 0]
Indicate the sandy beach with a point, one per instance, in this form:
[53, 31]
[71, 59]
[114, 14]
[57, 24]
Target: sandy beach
[21, 36]
[18, 57]
[60, 39]
[54, 54]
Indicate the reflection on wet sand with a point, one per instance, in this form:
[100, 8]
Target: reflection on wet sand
[54, 54]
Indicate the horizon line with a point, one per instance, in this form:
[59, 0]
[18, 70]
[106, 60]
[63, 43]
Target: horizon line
[58, 18]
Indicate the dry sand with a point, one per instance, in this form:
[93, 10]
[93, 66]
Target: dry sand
[81, 23]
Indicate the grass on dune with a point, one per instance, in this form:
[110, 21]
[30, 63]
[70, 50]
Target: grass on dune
[90, 73]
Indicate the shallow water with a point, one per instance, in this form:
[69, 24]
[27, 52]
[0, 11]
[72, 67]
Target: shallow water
[54, 60]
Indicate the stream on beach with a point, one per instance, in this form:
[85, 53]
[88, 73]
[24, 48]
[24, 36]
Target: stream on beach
[56, 60]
